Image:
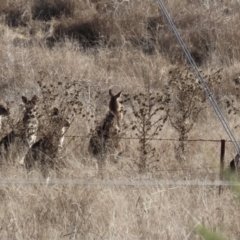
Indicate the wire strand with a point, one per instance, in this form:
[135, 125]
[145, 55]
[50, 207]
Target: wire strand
[155, 139]
[118, 183]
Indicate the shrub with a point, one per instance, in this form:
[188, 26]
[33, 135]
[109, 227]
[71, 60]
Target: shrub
[16, 13]
[47, 9]
[150, 114]
[187, 101]
[86, 32]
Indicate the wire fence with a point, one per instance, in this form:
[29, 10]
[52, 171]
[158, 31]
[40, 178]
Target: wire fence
[191, 172]
[73, 137]
[118, 183]
[157, 139]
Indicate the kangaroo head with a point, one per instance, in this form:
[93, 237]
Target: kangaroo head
[54, 112]
[60, 125]
[115, 104]
[29, 104]
[59, 121]
[32, 101]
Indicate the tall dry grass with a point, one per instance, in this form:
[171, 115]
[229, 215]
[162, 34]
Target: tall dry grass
[98, 44]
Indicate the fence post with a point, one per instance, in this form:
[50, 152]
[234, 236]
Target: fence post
[222, 155]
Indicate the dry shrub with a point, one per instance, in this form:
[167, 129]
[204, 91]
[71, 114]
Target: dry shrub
[45, 10]
[125, 23]
[198, 39]
[115, 23]
[232, 75]
[150, 115]
[86, 31]
[16, 13]
[200, 25]
[138, 24]
[187, 101]
[63, 95]
[108, 23]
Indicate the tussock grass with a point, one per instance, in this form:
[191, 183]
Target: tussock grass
[89, 46]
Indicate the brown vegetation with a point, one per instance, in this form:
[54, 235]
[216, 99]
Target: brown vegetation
[68, 54]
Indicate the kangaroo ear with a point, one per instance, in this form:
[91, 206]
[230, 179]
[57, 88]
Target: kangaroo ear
[118, 95]
[66, 124]
[4, 111]
[111, 92]
[54, 111]
[24, 99]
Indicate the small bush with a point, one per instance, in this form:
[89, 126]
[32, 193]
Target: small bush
[47, 9]
[188, 99]
[16, 13]
[86, 32]
[150, 115]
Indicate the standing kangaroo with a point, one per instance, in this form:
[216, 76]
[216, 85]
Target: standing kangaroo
[30, 121]
[106, 136]
[25, 131]
[47, 151]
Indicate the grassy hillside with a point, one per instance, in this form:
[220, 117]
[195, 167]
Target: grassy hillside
[69, 53]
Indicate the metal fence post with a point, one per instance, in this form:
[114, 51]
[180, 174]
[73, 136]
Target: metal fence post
[222, 155]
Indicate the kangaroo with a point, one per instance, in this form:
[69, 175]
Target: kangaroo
[3, 112]
[26, 129]
[105, 138]
[48, 150]
[234, 164]
[30, 120]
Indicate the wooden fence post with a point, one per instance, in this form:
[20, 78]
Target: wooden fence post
[222, 155]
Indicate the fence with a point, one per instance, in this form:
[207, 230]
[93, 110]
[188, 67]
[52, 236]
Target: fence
[222, 142]
[117, 183]
[137, 183]
[220, 183]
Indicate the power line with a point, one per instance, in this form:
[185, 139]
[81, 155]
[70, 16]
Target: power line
[200, 78]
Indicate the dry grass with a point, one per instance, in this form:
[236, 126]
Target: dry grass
[119, 44]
